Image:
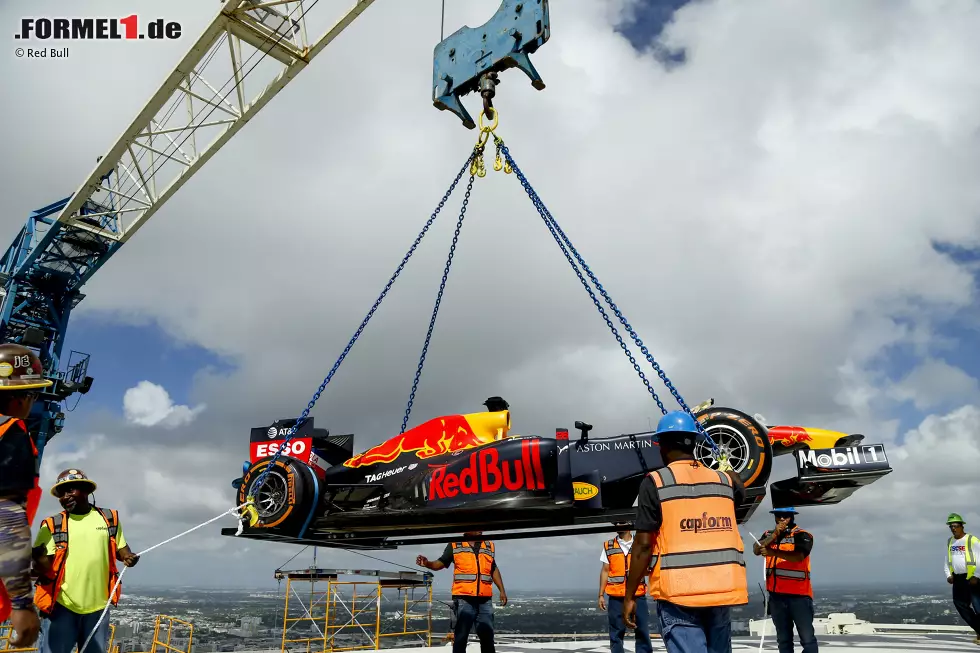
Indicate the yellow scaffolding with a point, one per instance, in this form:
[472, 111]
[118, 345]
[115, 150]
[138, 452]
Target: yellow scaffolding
[184, 635]
[177, 638]
[349, 615]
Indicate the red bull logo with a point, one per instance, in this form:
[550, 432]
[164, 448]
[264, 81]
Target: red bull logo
[438, 436]
[487, 474]
[788, 435]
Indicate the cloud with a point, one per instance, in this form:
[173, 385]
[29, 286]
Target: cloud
[935, 383]
[769, 225]
[149, 404]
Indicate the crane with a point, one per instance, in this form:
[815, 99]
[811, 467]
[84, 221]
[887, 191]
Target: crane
[186, 121]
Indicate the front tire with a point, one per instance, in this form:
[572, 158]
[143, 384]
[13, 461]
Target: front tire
[286, 498]
[741, 438]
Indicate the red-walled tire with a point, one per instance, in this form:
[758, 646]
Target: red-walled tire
[743, 437]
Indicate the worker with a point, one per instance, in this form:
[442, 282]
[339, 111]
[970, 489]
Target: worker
[475, 572]
[787, 550]
[686, 525]
[962, 553]
[21, 376]
[73, 590]
[615, 559]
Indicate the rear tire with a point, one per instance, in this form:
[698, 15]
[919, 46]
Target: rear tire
[286, 498]
[742, 438]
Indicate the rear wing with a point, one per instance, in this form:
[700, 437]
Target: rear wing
[828, 476]
[264, 441]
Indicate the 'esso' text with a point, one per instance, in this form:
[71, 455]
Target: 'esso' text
[294, 448]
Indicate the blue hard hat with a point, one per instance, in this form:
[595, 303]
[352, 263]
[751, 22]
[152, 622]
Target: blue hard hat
[678, 421]
[677, 429]
[788, 510]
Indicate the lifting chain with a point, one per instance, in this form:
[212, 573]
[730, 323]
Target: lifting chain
[250, 510]
[565, 243]
[478, 167]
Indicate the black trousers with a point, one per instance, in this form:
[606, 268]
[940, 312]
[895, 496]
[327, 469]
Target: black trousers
[966, 598]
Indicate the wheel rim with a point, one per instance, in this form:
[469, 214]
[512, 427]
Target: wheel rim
[731, 443]
[271, 497]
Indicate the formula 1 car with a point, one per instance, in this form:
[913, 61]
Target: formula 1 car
[459, 473]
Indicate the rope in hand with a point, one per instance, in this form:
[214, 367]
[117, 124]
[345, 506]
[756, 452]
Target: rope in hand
[236, 509]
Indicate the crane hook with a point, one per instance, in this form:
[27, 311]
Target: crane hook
[488, 88]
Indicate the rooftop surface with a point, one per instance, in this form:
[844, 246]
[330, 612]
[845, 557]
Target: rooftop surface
[831, 643]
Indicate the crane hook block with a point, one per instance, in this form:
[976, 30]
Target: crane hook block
[468, 55]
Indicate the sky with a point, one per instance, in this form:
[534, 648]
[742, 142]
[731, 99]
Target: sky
[780, 196]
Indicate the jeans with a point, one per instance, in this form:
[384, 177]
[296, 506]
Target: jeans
[789, 609]
[966, 598]
[468, 613]
[64, 630]
[695, 630]
[617, 627]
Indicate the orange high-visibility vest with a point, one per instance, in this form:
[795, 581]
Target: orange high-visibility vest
[33, 500]
[785, 577]
[46, 591]
[698, 558]
[619, 570]
[472, 570]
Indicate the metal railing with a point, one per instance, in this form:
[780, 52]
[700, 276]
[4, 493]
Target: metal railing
[177, 631]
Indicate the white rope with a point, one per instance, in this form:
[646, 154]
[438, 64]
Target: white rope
[765, 599]
[145, 551]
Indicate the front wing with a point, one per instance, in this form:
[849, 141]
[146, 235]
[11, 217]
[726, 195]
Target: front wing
[828, 476]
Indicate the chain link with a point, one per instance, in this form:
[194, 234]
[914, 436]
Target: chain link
[442, 286]
[357, 334]
[564, 241]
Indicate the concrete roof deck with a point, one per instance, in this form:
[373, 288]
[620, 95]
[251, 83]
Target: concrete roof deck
[926, 643]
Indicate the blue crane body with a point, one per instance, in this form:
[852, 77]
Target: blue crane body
[42, 273]
[471, 58]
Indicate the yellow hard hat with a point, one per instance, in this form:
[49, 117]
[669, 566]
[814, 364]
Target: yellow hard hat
[72, 476]
[21, 369]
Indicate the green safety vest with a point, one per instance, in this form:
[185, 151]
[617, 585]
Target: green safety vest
[971, 563]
